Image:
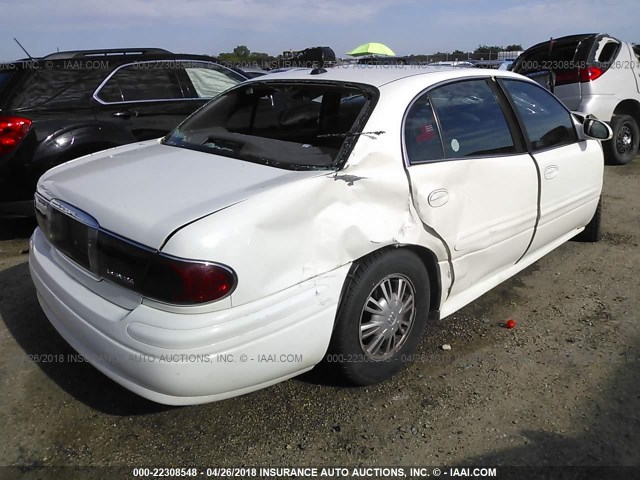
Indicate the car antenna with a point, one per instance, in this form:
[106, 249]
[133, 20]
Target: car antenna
[23, 49]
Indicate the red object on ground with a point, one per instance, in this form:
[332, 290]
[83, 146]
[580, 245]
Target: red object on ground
[510, 324]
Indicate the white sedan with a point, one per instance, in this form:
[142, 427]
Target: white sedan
[309, 215]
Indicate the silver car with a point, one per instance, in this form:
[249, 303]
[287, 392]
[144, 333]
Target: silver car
[595, 74]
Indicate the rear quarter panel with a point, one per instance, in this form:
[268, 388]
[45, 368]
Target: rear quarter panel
[303, 229]
[618, 83]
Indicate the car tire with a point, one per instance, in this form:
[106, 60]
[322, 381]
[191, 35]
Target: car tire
[623, 146]
[591, 232]
[367, 348]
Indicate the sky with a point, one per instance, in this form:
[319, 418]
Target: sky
[215, 26]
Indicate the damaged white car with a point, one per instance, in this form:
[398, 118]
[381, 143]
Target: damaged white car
[308, 215]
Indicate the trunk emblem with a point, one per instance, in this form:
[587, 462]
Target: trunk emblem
[121, 277]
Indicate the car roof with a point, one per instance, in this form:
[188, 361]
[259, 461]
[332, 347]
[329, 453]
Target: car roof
[378, 75]
[113, 56]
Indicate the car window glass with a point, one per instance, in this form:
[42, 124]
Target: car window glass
[4, 78]
[140, 82]
[421, 135]
[558, 56]
[547, 122]
[49, 87]
[289, 125]
[471, 119]
[210, 80]
[606, 51]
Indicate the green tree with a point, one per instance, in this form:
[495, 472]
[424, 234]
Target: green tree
[243, 57]
[242, 51]
[488, 49]
[516, 47]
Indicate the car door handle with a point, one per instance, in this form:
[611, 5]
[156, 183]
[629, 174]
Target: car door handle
[125, 114]
[551, 171]
[438, 198]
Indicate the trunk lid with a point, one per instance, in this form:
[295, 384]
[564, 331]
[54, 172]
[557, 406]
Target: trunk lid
[146, 191]
[564, 57]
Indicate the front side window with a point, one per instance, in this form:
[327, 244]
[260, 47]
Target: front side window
[288, 125]
[547, 122]
[471, 119]
[209, 80]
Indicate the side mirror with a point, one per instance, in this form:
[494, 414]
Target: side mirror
[597, 129]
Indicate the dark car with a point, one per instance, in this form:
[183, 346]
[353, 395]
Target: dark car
[311, 58]
[68, 104]
[252, 72]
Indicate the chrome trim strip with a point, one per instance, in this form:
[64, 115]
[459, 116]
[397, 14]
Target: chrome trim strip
[176, 61]
[74, 213]
[41, 204]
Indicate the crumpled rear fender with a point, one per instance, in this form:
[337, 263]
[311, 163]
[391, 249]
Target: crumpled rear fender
[305, 228]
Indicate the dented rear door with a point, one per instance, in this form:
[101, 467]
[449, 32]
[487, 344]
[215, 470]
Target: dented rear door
[471, 180]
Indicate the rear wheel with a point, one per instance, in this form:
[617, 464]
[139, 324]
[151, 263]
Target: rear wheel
[623, 146]
[381, 317]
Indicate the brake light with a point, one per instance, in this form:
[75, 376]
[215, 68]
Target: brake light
[582, 75]
[590, 73]
[155, 275]
[12, 131]
[177, 281]
[564, 77]
[146, 271]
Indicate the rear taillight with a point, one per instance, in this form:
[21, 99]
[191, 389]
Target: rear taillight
[178, 281]
[590, 73]
[565, 77]
[161, 277]
[575, 75]
[158, 276]
[152, 274]
[12, 131]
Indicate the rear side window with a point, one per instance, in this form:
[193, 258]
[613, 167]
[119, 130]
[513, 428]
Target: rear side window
[607, 51]
[471, 119]
[141, 82]
[4, 78]
[547, 122]
[421, 135]
[51, 88]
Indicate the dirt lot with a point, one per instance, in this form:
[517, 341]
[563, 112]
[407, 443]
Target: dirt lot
[562, 388]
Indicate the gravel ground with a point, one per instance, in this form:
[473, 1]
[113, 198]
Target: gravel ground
[562, 388]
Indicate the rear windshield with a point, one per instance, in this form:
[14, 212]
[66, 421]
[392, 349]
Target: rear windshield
[287, 125]
[560, 55]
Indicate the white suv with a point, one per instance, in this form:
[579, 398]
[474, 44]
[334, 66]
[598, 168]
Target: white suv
[595, 74]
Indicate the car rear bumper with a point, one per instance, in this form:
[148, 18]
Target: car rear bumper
[602, 106]
[205, 356]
